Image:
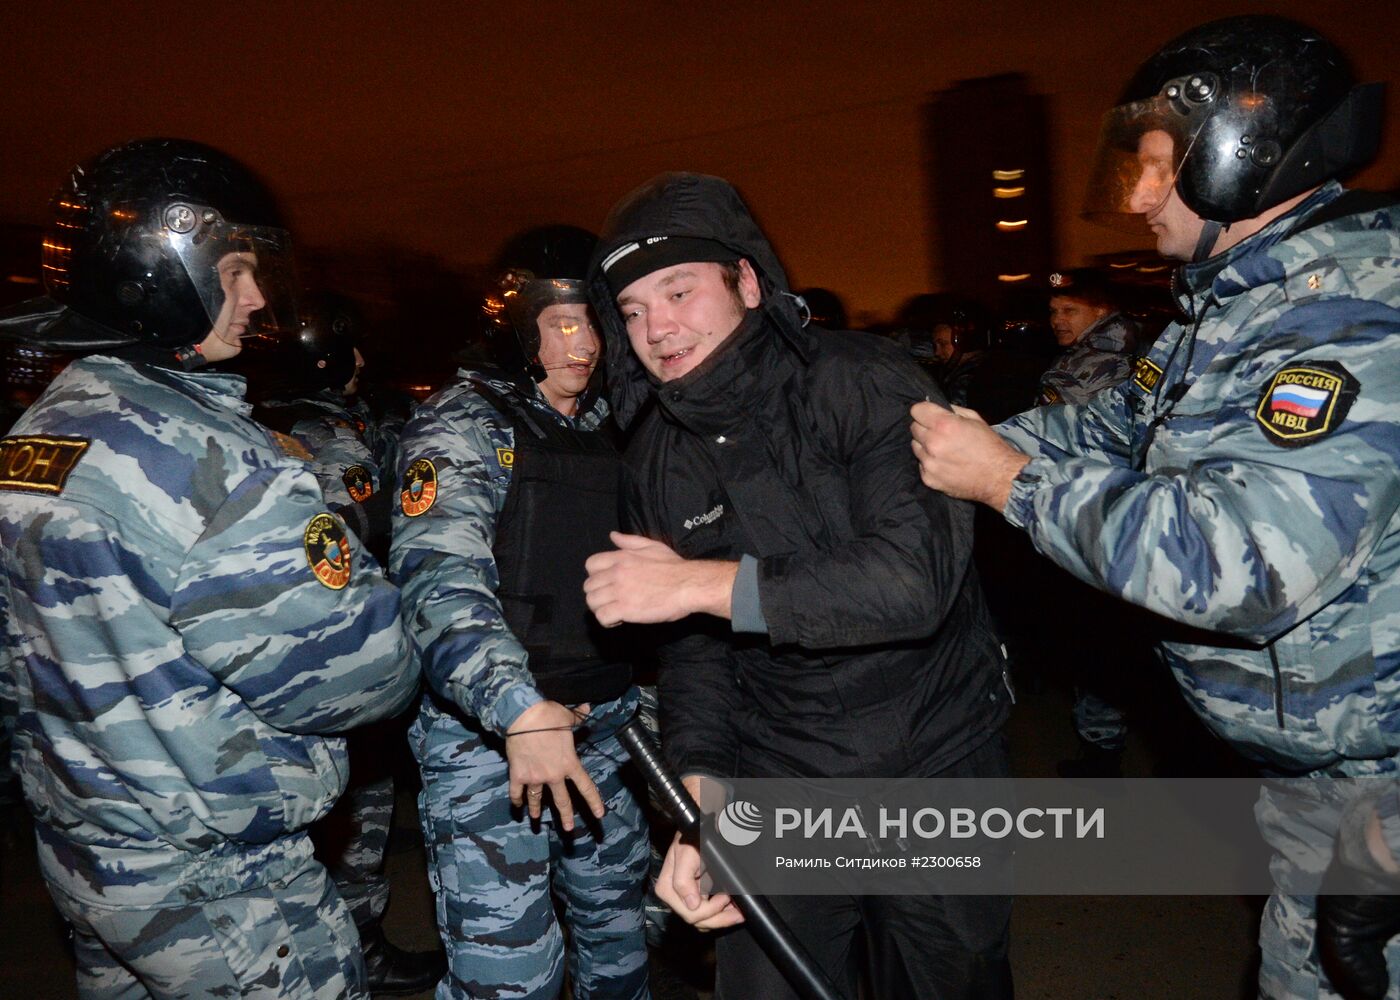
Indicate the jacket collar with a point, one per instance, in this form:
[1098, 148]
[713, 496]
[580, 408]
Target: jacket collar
[592, 408]
[724, 389]
[219, 388]
[1248, 264]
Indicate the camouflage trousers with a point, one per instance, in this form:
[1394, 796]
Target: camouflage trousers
[291, 938]
[1301, 831]
[494, 872]
[352, 839]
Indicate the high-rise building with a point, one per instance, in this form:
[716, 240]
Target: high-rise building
[987, 165]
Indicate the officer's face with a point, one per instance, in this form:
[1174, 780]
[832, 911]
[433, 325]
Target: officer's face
[943, 342]
[242, 298]
[677, 316]
[353, 386]
[1069, 318]
[568, 351]
[1176, 227]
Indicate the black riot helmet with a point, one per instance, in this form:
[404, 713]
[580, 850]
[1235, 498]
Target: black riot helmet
[326, 341]
[138, 233]
[1238, 115]
[539, 268]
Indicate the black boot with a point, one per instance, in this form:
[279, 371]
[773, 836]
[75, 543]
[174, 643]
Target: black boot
[392, 972]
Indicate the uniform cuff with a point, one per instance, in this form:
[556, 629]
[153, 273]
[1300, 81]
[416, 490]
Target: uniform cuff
[1020, 503]
[746, 612]
[512, 704]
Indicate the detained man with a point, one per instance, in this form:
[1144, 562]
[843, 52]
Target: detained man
[823, 620]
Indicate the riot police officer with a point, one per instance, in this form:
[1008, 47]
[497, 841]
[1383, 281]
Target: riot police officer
[183, 615]
[1242, 481]
[509, 482]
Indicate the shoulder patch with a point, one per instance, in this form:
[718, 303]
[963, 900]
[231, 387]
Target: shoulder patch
[1302, 403]
[1049, 395]
[419, 487]
[290, 446]
[506, 458]
[1146, 375]
[358, 482]
[39, 464]
[327, 551]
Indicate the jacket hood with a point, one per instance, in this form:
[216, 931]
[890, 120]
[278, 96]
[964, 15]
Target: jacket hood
[693, 205]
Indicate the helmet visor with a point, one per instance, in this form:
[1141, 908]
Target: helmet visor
[525, 295]
[1142, 147]
[215, 253]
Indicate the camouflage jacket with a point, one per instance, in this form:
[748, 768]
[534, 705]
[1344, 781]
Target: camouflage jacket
[383, 418]
[182, 618]
[1245, 482]
[338, 438]
[1100, 359]
[454, 473]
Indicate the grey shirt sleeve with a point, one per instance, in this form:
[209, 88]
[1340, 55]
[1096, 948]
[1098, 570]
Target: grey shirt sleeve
[746, 613]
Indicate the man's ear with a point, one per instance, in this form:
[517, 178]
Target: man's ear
[749, 292]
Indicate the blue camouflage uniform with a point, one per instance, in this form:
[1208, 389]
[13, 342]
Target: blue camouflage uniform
[347, 450]
[1245, 482]
[491, 869]
[183, 617]
[383, 419]
[1101, 358]
[337, 432]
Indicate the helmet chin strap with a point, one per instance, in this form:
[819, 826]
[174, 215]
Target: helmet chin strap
[1210, 232]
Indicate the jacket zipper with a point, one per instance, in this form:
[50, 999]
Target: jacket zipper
[1278, 687]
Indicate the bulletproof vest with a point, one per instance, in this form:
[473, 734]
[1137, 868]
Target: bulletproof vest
[560, 506]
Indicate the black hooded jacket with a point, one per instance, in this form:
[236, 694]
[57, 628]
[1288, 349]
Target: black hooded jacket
[791, 444]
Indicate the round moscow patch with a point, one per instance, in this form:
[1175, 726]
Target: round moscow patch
[358, 482]
[327, 551]
[419, 487]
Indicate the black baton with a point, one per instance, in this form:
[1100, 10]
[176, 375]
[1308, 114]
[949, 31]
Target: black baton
[785, 951]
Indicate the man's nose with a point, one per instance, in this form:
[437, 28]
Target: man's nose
[660, 324]
[1147, 195]
[254, 297]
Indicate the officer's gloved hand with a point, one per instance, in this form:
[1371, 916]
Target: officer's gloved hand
[1352, 932]
[1358, 910]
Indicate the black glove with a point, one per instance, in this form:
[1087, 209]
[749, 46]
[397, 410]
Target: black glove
[370, 523]
[1358, 911]
[1352, 932]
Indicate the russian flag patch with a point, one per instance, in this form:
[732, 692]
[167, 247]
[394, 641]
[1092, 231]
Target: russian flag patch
[1302, 403]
